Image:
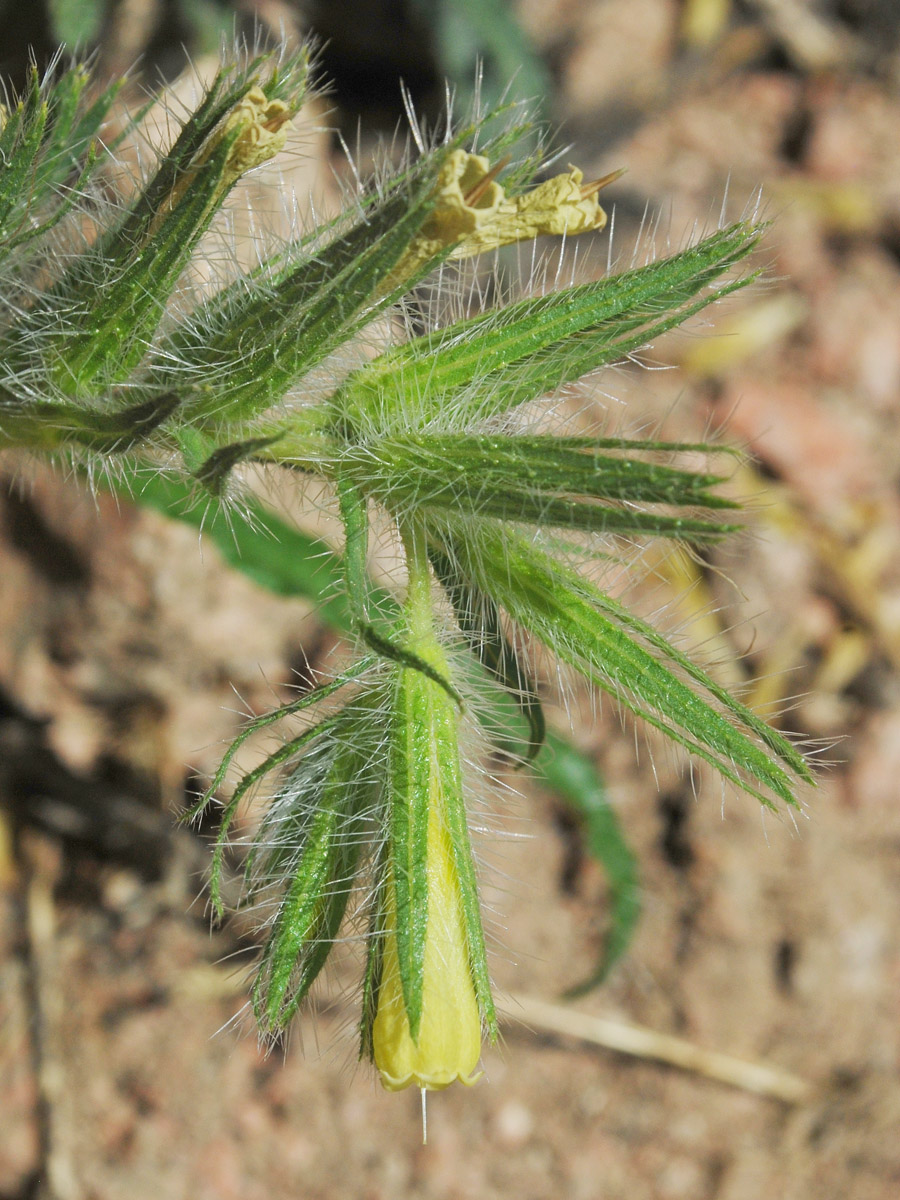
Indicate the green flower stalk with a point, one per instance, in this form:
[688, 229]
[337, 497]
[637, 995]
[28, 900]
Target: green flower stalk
[106, 361]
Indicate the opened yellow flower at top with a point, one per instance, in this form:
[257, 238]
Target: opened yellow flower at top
[473, 214]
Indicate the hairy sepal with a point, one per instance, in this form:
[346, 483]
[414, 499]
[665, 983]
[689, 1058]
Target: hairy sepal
[313, 839]
[634, 663]
[498, 360]
[535, 481]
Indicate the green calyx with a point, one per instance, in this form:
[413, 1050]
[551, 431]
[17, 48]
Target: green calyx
[425, 786]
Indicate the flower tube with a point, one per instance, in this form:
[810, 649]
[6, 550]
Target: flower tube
[448, 1044]
[428, 992]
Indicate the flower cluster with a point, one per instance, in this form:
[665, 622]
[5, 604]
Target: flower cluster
[104, 360]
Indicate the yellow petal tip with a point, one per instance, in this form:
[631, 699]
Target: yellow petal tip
[432, 1082]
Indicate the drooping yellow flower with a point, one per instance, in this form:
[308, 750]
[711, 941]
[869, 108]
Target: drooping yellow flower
[448, 1045]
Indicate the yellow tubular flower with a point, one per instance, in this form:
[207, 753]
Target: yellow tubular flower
[449, 1042]
[473, 213]
[261, 131]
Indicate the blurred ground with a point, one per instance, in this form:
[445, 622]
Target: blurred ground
[121, 647]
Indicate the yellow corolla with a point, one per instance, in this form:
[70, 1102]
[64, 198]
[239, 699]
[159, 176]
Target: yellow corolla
[449, 1042]
[259, 129]
[473, 213]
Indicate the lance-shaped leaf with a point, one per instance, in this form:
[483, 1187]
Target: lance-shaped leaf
[103, 312]
[634, 663]
[540, 481]
[575, 778]
[313, 837]
[500, 359]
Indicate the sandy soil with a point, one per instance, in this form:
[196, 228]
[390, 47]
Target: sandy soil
[122, 1072]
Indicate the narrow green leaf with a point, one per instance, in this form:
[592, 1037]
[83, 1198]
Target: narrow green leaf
[255, 541]
[112, 301]
[21, 138]
[442, 465]
[282, 754]
[550, 465]
[589, 631]
[575, 779]
[525, 349]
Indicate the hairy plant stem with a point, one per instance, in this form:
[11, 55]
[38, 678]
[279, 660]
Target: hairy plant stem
[419, 603]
